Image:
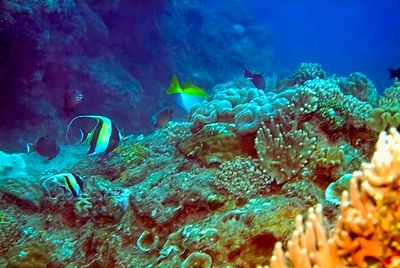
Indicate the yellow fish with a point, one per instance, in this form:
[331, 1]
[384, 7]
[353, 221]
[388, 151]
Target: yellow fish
[187, 96]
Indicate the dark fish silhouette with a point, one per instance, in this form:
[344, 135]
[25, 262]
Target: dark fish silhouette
[394, 73]
[72, 98]
[161, 118]
[257, 79]
[45, 146]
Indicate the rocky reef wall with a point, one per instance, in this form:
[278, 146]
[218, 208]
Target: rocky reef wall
[119, 54]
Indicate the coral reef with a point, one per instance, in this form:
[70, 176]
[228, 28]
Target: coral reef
[366, 232]
[9, 231]
[359, 86]
[238, 102]
[241, 178]
[215, 143]
[197, 259]
[284, 150]
[387, 113]
[221, 189]
[31, 256]
[15, 181]
[303, 73]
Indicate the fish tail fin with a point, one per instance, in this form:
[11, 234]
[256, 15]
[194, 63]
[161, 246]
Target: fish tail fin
[30, 148]
[84, 135]
[174, 86]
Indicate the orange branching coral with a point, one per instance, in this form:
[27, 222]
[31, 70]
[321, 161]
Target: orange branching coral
[367, 231]
[309, 247]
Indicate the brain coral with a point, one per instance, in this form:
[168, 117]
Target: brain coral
[239, 103]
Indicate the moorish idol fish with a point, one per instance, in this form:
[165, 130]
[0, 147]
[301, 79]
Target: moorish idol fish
[161, 118]
[70, 183]
[256, 78]
[188, 95]
[103, 138]
[45, 147]
[394, 73]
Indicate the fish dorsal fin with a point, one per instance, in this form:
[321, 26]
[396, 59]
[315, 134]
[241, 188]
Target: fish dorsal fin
[174, 86]
[193, 90]
[96, 117]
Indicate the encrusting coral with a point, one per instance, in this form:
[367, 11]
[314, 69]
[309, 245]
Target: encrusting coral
[240, 177]
[215, 143]
[9, 231]
[367, 232]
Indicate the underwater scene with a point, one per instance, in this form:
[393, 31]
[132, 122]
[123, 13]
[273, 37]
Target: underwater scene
[198, 134]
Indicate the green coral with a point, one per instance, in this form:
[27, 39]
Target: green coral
[384, 118]
[240, 177]
[9, 231]
[387, 114]
[30, 255]
[83, 207]
[303, 73]
[132, 154]
[214, 144]
[328, 157]
[284, 149]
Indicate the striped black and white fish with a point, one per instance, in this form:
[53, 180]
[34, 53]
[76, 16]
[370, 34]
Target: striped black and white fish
[70, 183]
[103, 138]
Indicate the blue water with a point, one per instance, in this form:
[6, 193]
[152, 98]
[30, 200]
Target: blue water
[125, 52]
[343, 36]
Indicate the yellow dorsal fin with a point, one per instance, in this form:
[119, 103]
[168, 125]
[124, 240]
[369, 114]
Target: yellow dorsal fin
[174, 86]
[193, 90]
